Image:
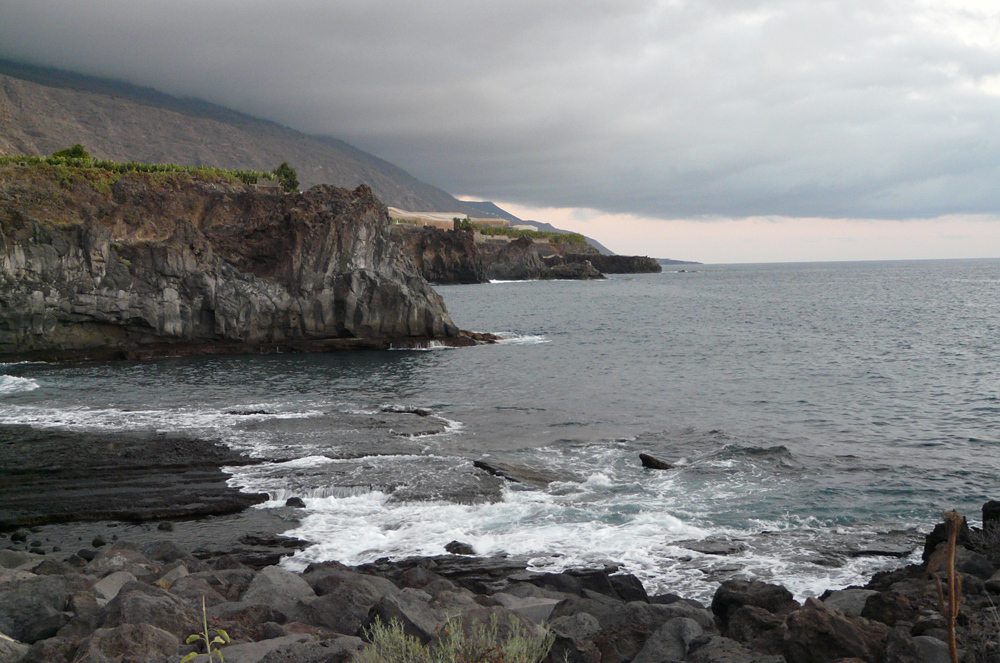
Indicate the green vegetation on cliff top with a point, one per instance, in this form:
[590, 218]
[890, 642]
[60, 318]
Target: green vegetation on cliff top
[571, 239]
[77, 157]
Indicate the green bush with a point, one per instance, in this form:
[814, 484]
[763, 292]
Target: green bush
[287, 176]
[78, 151]
[389, 644]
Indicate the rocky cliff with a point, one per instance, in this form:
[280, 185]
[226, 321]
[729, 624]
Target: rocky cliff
[97, 264]
[443, 257]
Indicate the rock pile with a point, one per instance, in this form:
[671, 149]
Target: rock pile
[132, 603]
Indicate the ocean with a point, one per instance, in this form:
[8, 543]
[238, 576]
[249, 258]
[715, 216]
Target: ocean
[819, 418]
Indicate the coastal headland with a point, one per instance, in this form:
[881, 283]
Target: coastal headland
[457, 256]
[100, 264]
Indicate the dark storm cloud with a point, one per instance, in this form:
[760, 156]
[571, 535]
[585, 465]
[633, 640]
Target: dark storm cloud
[789, 107]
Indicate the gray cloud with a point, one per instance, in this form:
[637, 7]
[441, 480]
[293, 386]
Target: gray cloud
[676, 108]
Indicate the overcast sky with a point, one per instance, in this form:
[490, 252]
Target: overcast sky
[717, 130]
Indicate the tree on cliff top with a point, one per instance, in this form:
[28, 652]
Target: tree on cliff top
[287, 176]
[78, 151]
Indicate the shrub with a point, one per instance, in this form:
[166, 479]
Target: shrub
[78, 151]
[389, 644]
[287, 176]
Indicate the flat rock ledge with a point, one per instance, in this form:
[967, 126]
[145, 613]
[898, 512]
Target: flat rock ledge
[137, 602]
[52, 476]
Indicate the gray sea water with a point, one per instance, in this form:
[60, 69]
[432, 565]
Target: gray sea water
[813, 411]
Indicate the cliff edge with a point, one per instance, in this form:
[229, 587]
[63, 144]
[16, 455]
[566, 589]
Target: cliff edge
[100, 264]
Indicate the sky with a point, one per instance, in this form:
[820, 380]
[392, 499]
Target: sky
[709, 130]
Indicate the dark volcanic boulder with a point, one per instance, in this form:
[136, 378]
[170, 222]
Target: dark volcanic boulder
[128, 643]
[176, 263]
[33, 609]
[736, 593]
[818, 634]
[138, 603]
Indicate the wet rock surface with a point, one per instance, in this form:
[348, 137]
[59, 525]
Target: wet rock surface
[49, 476]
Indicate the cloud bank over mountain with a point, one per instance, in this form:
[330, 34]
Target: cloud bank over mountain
[882, 109]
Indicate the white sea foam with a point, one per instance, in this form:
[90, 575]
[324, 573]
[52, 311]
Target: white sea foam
[11, 384]
[114, 419]
[510, 338]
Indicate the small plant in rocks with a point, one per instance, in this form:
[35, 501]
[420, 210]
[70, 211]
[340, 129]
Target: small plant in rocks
[389, 644]
[220, 638]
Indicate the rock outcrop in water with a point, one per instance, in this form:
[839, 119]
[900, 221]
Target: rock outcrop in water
[450, 257]
[148, 264]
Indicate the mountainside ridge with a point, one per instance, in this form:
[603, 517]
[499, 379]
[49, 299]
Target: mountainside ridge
[43, 110]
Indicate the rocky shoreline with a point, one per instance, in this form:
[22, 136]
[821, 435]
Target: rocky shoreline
[135, 596]
[109, 542]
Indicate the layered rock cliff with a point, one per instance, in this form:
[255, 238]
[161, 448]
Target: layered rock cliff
[96, 264]
[443, 257]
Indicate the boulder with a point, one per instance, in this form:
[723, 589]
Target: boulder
[11, 651]
[121, 557]
[192, 590]
[13, 559]
[459, 548]
[718, 649]
[624, 630]
[890, 608]
[344, 609]
[818, 634]
[279, 589]
[991, 514]
[53, 650]
[107, 587]
[411, 608]
[243, 621]
[87, 616]
[901, 647]
[993, 584]
[574, 639]
[670, 642]
[574, 605]
[537, 610]
[939, 536]
[654, 463]
[128, 643]
[750, 623]
[338, 650]
[628, 588]
[735, 593]
[849, 602]
[138, 603]
[34, 608]
[451, 603]
[253, 652]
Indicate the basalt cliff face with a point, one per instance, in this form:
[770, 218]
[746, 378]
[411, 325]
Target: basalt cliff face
[171, 264]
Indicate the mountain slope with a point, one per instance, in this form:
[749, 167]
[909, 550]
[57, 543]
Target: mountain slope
[43, 110]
